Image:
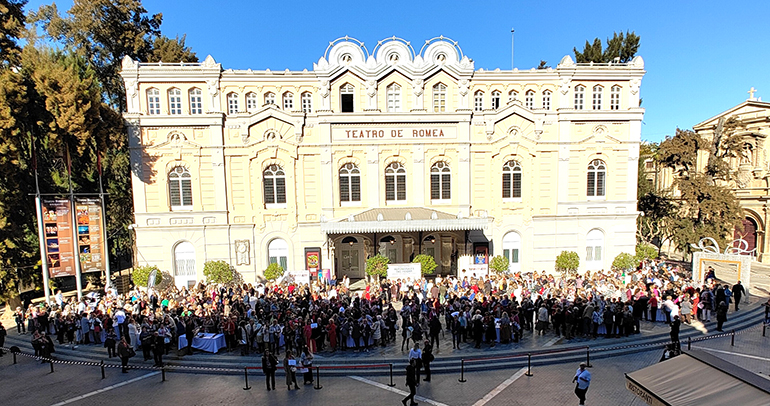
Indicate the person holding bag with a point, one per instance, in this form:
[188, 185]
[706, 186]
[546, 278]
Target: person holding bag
[290, 367]
[125, 351]
[269, 365]
[306, 360]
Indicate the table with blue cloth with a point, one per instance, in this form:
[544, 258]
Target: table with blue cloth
[205, 342]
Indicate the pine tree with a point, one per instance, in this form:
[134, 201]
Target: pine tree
[620, 46]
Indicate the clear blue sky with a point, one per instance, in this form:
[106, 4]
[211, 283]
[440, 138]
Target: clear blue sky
[701, 57]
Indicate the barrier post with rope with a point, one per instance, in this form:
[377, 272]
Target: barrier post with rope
[317, 378]
[588, 356]
[732, 340]
[246, 376]
[391, 384]
[529, 364]
[689, 343]
[163, 374]
[50, 362]
[462, 371]
[102, 366]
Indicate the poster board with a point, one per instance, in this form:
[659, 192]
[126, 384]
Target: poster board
[90, 234]
[59, 243]
[404, 271]
[301, 277]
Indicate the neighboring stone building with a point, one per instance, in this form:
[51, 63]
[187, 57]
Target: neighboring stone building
[752, 186]
[394, 151]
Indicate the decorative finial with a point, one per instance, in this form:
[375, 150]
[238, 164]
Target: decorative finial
[751, 93]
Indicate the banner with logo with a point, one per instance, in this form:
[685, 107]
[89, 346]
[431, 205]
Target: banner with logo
[90, 234]
[59, 244]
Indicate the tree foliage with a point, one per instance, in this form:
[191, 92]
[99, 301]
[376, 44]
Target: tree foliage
[11, 28]
[141, 275]
[273, 271]
[427, 263]
[645, 252]
[218, 272]
[567, 262]
[499, 264]
[377, 266]
[622, 46]
[169, 50]
[625, 262]
[704, 205]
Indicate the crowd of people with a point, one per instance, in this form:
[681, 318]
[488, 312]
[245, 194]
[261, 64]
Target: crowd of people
[306, 319]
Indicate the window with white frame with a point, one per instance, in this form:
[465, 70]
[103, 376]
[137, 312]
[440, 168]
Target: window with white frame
[439, 98]
[395, 182]
[196, 101]
[615, 98]
[174, 101]
[274, 182]
[347, 97]
[393, 96]
[252, 101]
[270, 98]
[512, 180]
[529, 99]
[350, 183]
[594, 249]
[307, 102]
[597, 97]
[288, 101]
[232, 103]
[478, 101]
[546, 99]
[596, 178]
[513, 95]
[278, 253]
[579, 96]
[440, 181]
[153, 101]
[180, 188]
[511, 250]
[496, 99]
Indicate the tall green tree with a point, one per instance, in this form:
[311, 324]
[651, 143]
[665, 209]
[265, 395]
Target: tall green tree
[621, 46]
[705, 206]
[165, 49]
[655, 205]
[11, 27]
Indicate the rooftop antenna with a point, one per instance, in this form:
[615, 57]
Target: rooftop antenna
[511, 48]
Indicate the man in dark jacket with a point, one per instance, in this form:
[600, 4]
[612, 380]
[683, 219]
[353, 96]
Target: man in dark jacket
[411, 382]
[738, 292]
[269, 365]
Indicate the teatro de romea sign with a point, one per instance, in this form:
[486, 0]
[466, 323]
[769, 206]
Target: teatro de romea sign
[392, 133]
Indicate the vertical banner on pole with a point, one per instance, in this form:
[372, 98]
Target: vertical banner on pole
[90, 235]
[59, 242]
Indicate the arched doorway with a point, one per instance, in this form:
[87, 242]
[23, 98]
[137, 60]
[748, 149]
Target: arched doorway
[749, 233]
[278, 253]
[350, 259]
[184, 264]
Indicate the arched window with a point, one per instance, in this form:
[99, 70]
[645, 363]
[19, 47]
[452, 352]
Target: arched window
[440, 181]
[174, 101]
[615, 98]
[288, 101]
[511, 180]
[496, 99]
[347, 93]
[350, 183]
[529, 99]
[513, 95]
[153, 101]
[270, 98]
[278, 253]
[594, 249]
[546, 99]
[232, 103]
[180, 188]
[478, 101]
[196, 101]
[274, 185]
[307, 102]
[439, 98]
[511, 250]
[579, 96]
[395, 182]
[252, 101]
[597, 97]
[394, 97]
[184, 259]
[596, 178]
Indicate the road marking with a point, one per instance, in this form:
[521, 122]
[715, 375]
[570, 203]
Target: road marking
[483, 401]
[394, 390]
[552, 341]
[732, 353]
[102, 390]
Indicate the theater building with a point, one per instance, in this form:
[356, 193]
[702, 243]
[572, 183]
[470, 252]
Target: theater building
[393, 150]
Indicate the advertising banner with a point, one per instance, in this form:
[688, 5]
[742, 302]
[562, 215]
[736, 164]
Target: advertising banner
[300, 277]
[313, 260]
[90, 234]
[404, 271]
[59, 244]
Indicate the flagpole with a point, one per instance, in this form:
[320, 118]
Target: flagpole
[41, 230]
[75, 239]
[105, 246]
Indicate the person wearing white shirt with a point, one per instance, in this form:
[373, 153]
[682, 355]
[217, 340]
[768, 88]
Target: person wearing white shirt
[416, 355]
[582, 379]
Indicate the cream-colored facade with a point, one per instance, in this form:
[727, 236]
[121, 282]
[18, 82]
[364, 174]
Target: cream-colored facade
[397, 151]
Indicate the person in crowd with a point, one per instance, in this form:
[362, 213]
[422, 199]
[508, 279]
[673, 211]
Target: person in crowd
[125, 351]
[269, 365]
[415, 355]
[426, 358]
[290, 367]
[306, 360]
[738, 293]
[411, 382]
[721, 315]
[582, 380]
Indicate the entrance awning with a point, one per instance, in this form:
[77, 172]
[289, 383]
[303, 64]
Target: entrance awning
[403, 219]
[698, 378]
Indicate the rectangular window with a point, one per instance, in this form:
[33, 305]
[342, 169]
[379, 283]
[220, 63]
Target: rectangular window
[600, 184]
[390, 188]
[355, 188]
[515, 256]
[615, 99]
[280, 189]
[175, 102]
[269, 192]
[401, 187]
[446, 184]
[507, 254]
[591, 190]
[597, 105]
[153, 102]
[507, 186]
[346, 101]
[288, 102]
[517, 185]
[186, 192]
[597, 253]
[307, 103]
[196, 102]
[589, 253]
[344, 188]
[435, 189]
